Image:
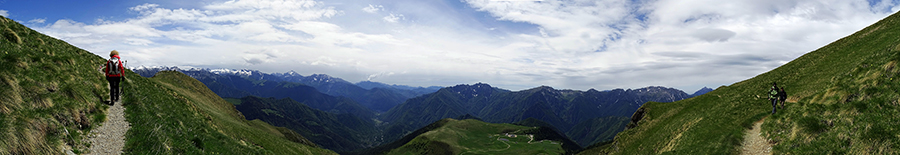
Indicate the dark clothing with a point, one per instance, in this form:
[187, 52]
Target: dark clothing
[774, 104]
[781, 97]
[113, 88]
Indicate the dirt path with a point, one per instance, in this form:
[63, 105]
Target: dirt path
[754, 143]
[109, 138]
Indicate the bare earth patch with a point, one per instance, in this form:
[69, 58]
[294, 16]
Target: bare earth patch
[754, 143]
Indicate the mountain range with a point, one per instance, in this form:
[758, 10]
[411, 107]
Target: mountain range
[563, 109]
[376, 96]
[341, 132]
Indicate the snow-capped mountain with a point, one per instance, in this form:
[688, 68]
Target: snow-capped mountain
[375, 98]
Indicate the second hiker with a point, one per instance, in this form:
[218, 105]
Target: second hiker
[782, 96]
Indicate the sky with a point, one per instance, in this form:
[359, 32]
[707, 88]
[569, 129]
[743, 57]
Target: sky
[510, 44]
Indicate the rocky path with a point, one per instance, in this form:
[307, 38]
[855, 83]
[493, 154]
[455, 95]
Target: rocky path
[109, 138]
[754, 143]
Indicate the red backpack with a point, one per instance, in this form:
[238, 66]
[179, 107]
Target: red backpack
[113, 67]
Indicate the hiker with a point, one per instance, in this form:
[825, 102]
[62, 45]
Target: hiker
[114, 71]
[773, 96]
[782, 96]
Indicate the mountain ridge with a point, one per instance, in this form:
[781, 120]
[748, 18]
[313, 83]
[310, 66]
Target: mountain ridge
[561, 108]
[379, 98]
[339, 132]
[702, 91]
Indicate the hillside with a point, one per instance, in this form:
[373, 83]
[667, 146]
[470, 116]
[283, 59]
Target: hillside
[174, 110]
[842, 99]
[237, 86]
[470, 136]
[563, 109]
[405, 90]
[339, 132]
[52, 95]
[50, 92]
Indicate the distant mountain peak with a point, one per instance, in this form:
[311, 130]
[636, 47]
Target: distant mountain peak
[702, 91]
[542, 88]
[243, 72]
[292, 73]
[321, 76]
[326, 78]
[476, 85]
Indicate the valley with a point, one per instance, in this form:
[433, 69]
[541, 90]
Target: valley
[588, 116]
[475, 137]
[842, 99]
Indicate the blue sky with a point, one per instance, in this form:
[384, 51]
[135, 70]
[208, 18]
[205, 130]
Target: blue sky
[512, 44]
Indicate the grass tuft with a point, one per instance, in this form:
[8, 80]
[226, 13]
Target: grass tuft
[12, 36]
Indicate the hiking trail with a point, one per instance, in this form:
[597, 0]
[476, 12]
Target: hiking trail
[109, 138]
[754, 143]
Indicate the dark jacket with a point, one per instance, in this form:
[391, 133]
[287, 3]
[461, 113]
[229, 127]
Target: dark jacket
[782, 95]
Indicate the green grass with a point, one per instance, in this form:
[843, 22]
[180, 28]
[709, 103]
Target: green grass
[855, 114]
[173, 113]
[51, 95]
[50, 92]
[475, 137]
[843, 98]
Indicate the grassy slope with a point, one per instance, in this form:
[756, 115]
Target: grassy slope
[861, 67]
[597, 130]
[51, 93]
[476, 137]
[174, 113]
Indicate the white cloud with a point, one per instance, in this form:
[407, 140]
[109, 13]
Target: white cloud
[144, 7]
[574, 44]
[631, 34]
[226, 29]
[4, 13]
[37, 21]
[373, 8]
[261, 56]
[376, 75]
[136, 41]
[393, 18]
[276, 9]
